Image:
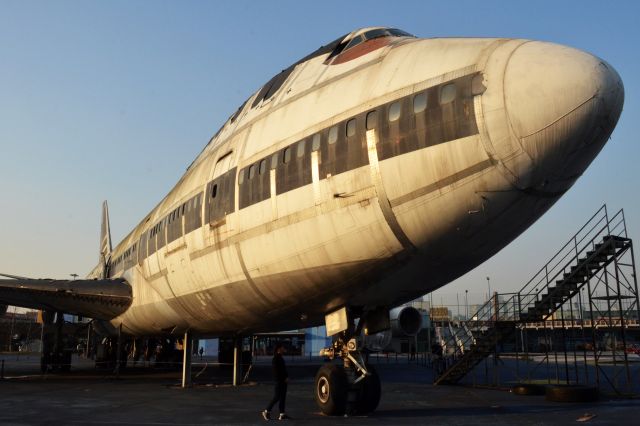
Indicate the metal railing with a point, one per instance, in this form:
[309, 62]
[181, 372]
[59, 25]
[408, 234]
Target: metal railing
[592, 232]
[509, 307]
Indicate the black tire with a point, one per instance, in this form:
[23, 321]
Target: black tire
[370, 391]
[572, 393]
[331, 390]
[528, 389]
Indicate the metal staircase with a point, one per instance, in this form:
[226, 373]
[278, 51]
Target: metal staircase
[599, 242]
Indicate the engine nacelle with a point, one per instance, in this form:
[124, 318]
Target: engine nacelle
[405, 321]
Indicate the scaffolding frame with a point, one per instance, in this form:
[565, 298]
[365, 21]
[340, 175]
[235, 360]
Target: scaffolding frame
[570, 323]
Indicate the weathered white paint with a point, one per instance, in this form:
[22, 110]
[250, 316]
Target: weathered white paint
[285, 262]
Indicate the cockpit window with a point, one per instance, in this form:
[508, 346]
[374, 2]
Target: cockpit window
[399, 33]
[354, 42]
[376, 33]
[371, 34]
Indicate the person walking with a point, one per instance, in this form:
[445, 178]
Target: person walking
[282, 378]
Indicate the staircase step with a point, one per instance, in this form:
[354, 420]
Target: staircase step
[567, 284]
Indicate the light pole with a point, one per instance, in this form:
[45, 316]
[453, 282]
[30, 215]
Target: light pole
[466, 305]
[489, 286]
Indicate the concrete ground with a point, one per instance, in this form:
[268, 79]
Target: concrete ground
[143, 396]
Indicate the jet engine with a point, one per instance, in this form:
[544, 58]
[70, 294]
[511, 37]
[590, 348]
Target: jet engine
[405, 321]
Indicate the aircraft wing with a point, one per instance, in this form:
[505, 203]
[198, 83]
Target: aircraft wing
[94, 298]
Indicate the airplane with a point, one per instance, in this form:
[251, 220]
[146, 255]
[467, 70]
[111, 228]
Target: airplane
[376, 169]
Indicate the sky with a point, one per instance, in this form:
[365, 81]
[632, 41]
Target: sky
[113, 100]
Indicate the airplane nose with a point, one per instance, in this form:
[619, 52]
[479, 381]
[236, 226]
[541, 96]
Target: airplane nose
[562, 105]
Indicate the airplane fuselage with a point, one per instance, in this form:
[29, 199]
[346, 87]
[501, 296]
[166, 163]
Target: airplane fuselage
[366, 179]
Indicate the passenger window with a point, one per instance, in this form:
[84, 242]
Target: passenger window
[420, 103]
[214, 191]
[333, 135]
[351, 127]
[372, 120]
[315, 144]
[252, 171]
[301, 146]
[274, 160]
[394, 111]
[241, 177]
[447, 94]
[287, 155]
[263, 167]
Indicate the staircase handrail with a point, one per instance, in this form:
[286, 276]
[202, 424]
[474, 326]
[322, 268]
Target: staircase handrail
[597, 227]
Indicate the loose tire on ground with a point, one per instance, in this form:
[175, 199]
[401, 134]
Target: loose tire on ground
[572, 393]
[370, 391]
[331, 389]
[528, 389]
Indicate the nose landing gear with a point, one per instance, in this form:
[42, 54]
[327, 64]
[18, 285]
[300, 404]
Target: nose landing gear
[352, 388]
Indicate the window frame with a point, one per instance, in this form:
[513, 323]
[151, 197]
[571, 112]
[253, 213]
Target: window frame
[316, 142]
[332, 137]
[368, 119]
[392, 106]
[301, 148]
[422, 95]
[353, 125]
[286, 155]
[442, 90]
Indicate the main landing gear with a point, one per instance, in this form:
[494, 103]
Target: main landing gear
[352, 388]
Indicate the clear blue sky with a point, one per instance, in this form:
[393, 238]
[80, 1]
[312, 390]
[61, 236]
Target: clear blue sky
[112, 100]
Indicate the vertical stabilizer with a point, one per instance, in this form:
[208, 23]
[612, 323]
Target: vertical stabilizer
[105, 238]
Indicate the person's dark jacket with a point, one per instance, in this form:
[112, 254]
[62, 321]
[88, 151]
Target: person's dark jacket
[279, 369]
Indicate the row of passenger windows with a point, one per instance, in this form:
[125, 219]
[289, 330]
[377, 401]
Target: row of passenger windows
[394, 140]
[447, 94]
[155, 238]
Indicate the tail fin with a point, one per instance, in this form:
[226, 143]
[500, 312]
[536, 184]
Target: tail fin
[105, 238]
